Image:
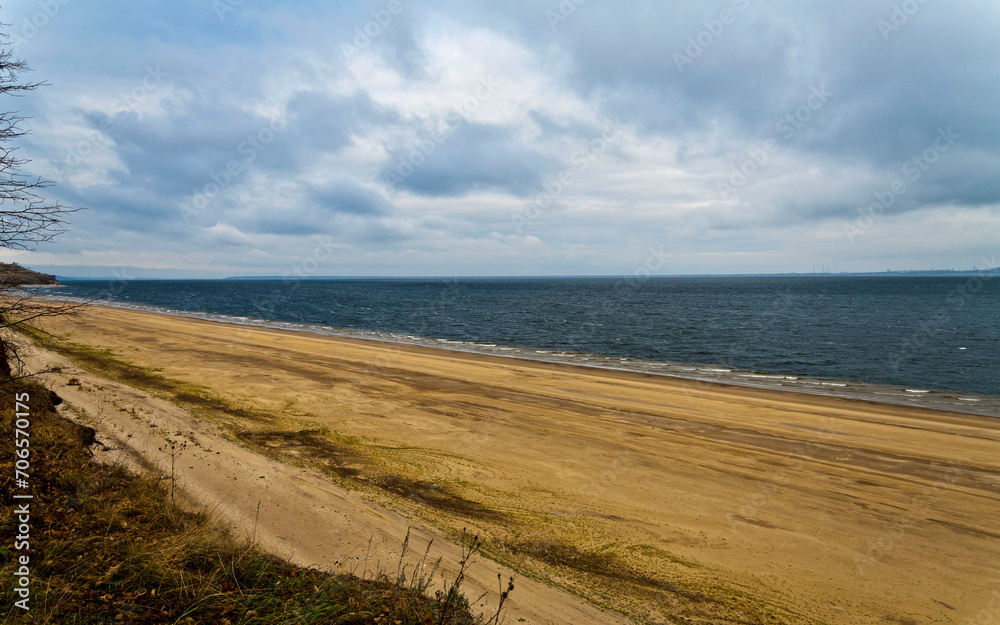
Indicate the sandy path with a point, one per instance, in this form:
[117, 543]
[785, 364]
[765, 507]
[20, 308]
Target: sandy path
[830, 510]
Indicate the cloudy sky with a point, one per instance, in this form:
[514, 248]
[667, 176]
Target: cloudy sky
[526, 137]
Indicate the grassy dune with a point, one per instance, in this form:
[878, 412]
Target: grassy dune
[109, 546]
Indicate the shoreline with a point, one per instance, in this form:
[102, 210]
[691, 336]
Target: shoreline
[944, 400]
[632, 490]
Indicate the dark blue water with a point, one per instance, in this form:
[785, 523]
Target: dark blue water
[914, 332]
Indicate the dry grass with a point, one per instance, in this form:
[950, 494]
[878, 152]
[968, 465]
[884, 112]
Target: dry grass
[606, 578]
[108, 546]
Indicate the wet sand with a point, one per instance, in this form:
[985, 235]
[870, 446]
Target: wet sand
[653, 496]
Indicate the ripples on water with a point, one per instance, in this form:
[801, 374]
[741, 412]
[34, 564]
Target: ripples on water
[927, 340]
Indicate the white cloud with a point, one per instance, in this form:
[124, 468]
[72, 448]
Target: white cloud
[534, 133]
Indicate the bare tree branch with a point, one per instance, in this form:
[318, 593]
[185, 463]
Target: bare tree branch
[26, 217]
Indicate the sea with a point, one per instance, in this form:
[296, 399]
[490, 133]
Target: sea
[932, 341]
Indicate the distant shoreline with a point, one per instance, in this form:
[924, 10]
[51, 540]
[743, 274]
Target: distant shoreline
[973, 404]
[14, 275]
[944, 273]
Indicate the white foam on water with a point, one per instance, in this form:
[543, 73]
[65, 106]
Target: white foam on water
[691, 371]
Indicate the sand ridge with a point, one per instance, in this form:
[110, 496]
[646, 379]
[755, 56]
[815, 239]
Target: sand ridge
[820, 509]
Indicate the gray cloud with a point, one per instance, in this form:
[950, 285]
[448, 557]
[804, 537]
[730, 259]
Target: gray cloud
[473, 157]
[698, 87]
[323, 123]
[348, 198]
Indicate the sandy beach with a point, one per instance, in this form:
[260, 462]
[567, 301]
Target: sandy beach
[612, 496]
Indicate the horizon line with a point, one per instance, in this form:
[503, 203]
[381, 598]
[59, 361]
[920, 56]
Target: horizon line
[894, 272]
